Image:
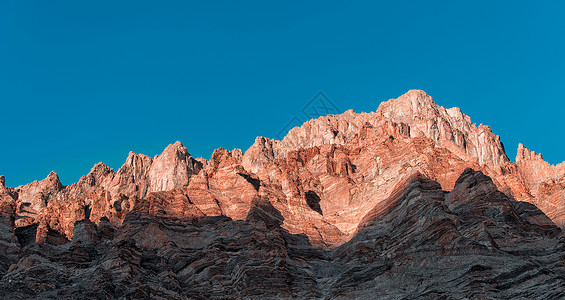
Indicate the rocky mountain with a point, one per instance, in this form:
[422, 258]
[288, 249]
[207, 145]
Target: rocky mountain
[410, 201]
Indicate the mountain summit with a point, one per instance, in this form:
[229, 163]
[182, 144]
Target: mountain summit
[350, 205]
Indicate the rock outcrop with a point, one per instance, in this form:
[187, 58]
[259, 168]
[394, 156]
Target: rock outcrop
[9, 246]
[446, 127]
[545, 182]
[349, 205]
[471, 243]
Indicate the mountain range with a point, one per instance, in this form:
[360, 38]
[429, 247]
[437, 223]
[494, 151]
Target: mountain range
[412, 201]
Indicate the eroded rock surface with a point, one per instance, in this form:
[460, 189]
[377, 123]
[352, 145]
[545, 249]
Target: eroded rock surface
[421, 242]
[345, 206]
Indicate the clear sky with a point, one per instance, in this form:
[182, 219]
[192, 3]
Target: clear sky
[88, 81]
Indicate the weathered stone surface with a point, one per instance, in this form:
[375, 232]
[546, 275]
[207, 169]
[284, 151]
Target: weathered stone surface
[421, 242]
[34, 197]
[172, 168]
[345, 164]
[446, 127]
[9, 246]
[473, 242]
[545, 182]
[345, 206]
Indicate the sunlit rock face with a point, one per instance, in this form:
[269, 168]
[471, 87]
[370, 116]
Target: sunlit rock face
[545, 182]
[344, 206]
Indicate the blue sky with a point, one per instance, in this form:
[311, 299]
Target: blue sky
[83, 82]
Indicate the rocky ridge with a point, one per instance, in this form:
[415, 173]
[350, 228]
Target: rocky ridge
[344, 163]
[336, 192]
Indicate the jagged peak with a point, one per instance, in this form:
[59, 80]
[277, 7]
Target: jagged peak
[100, 167]
[175, 148]
[54, 178]
[51, 180]
[524, 153]
[418, 105]
[262, 143]
[350, 113]
[261, 139]
[416, 93]
[176, 145]
[411, 103]
[135, 161]
[418, 112]
[132, 156]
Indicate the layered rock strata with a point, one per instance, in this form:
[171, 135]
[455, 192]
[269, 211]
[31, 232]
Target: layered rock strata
[419, 243]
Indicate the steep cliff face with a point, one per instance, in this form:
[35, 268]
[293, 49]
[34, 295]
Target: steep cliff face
[447, 127]
[417, 114]
[546, 183]
[342, 197]
[9, 246]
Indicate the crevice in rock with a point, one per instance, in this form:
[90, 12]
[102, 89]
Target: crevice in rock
[118, 205]
[56, 238]
[26, 234]
[254, 181]
[313, 201]
[87, 211]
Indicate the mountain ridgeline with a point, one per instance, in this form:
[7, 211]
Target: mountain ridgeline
[412, 201]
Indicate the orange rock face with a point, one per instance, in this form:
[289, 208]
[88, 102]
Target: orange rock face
[410, 201]
[545, 182]
[323, 177]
